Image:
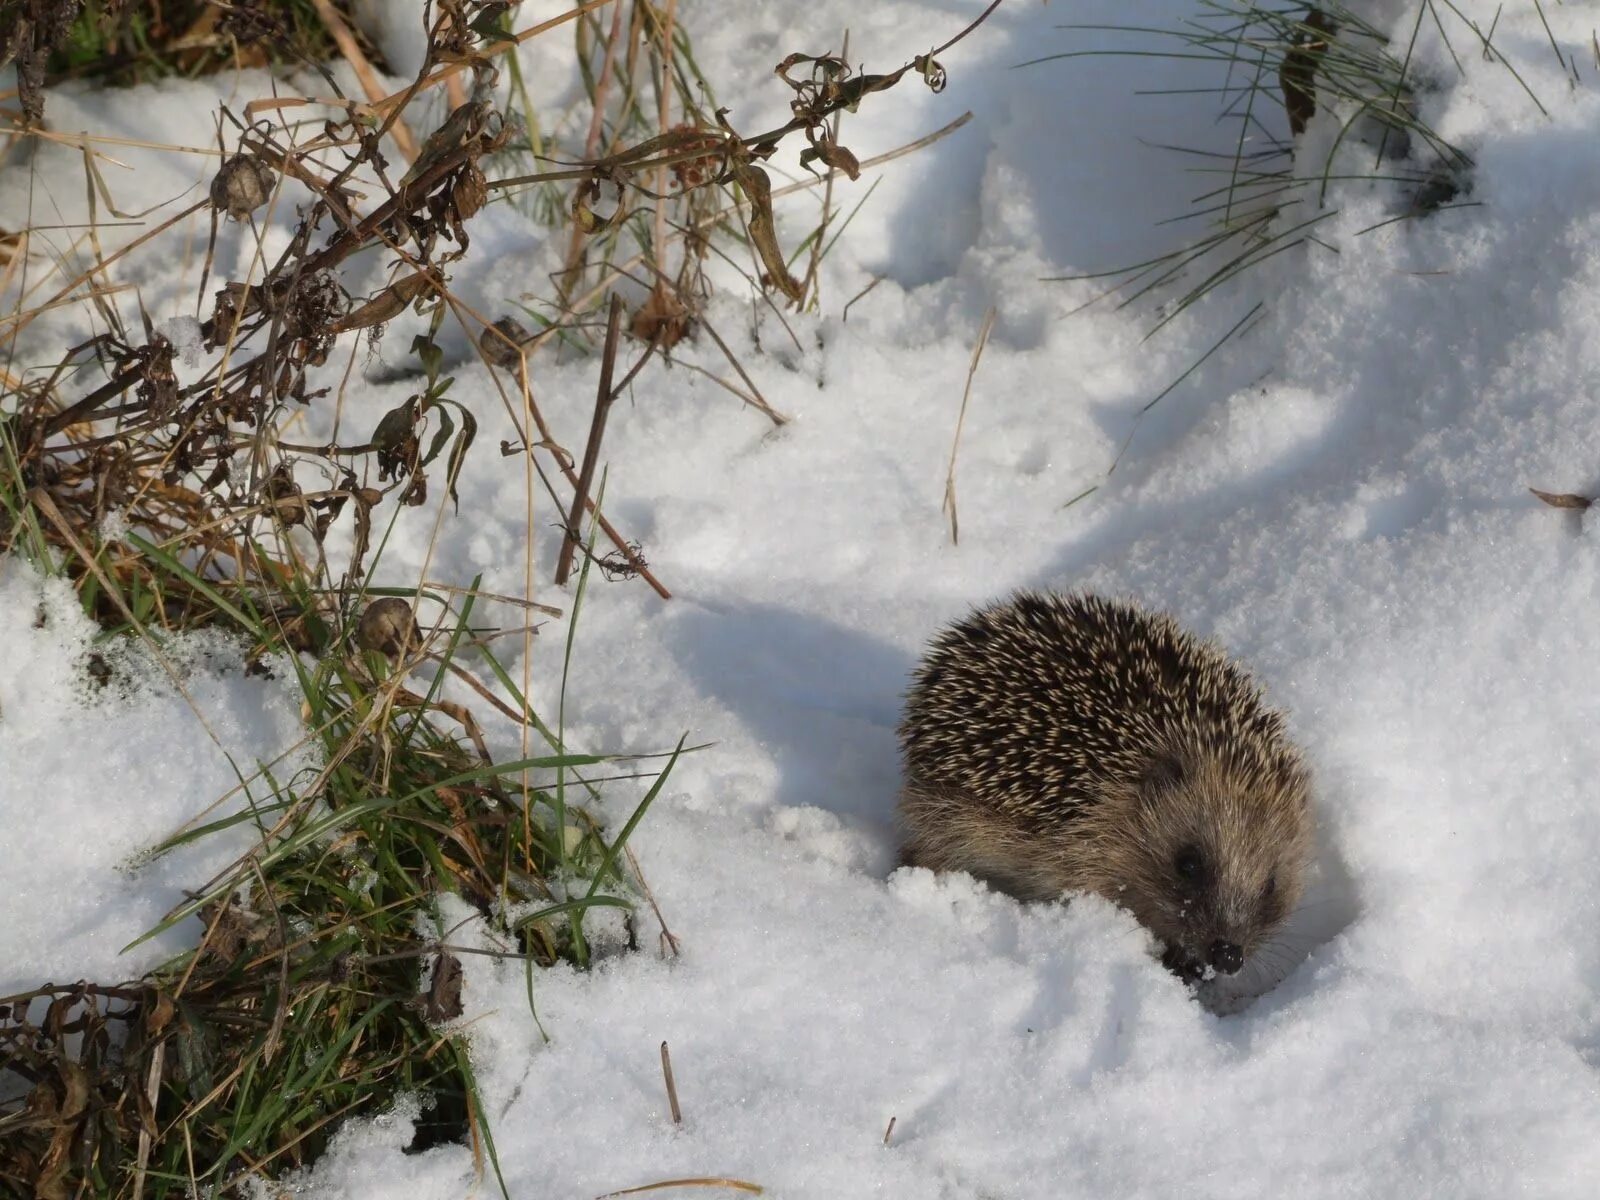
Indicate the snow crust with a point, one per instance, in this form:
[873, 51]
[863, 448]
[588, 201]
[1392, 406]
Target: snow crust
[1339, 496]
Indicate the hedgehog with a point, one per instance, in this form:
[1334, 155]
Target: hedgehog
[1055, 744]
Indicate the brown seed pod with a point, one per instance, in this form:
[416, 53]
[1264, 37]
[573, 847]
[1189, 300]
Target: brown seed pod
[501, 343]
[243, 184]
[389, 627]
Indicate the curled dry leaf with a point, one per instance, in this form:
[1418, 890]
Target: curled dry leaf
[469, 192]
[757, 188]
[395, 441]
[1563, 499]
[387, 304]
[823, 147]
[932, 72]
[663, 318]
[476, 121]
[589, 192]
[158, 382]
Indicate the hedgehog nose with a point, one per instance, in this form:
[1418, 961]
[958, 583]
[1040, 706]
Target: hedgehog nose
[1226, 957]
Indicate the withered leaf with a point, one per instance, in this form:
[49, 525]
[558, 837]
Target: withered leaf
[465, 123]
[932, 72]
[74, 1090]
[828, 66]
[1563, 499]
[416, 491]
[285, 495]
[458, 454]
[583, 202]
[394, 441]
[662, 318]
[158, 1013]
[387, 304]
[834, 155]
[758, 190]
[441, 435]
[469, 192]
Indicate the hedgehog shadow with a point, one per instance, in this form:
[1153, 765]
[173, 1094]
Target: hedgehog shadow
[822, 699]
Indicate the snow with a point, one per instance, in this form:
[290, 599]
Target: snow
[92, 775]
[1339, 496]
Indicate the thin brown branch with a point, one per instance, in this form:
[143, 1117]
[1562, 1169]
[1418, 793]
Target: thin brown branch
[591, 449]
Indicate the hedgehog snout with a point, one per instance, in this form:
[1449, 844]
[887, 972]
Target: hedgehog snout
[1226, 957]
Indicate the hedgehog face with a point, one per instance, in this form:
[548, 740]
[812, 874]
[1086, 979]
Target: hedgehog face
[1220, 852]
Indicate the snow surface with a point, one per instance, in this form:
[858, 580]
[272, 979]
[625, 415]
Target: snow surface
[102, 756]
[1339, 496]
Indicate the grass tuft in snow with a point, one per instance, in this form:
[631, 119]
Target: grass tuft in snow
[326, 979]
[1268, 194]
[1314, 91]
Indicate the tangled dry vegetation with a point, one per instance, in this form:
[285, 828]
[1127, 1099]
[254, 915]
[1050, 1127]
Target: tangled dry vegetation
[313, 992]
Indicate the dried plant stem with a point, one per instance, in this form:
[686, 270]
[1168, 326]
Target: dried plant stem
[672, 1087]
[669, 940]
[351, 49]
[664, 122]
[591, 143]
[20, 321]
[949, 505]
[564, 462]
[717, 1181]
[404, 95]
[152, 1091]
[591, 450]
[819, 238]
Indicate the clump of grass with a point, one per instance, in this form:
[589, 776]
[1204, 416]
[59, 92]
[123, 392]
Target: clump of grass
[325, 981]
[1286, 66]
[117, 43]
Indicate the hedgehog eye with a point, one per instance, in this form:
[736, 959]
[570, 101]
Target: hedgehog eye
[1189, 864]
[1272, 886]
[1165, 772]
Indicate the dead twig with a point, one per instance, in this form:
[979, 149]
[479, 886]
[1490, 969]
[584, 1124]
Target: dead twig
[949, 505]
[591, 449]
[672, 1088]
